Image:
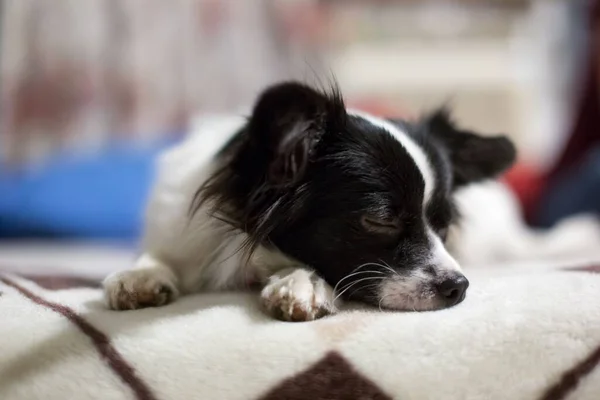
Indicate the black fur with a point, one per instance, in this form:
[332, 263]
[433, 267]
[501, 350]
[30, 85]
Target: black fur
[335, 191]
[473, 157]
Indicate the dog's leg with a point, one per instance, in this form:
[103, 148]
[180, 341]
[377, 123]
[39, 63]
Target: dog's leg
[150, 283]
[297, 294]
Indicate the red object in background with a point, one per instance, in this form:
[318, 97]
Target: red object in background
[586, 130]
[530, 185]
[527, 183]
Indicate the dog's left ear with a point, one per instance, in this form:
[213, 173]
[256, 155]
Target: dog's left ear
[474, 158]
[287, 122]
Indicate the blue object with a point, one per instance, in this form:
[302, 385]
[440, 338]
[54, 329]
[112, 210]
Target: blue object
[576, 191]
[93, 196]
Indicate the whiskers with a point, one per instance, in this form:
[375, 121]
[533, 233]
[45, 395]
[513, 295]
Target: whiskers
[359, 273]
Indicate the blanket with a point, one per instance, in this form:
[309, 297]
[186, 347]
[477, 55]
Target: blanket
[520, 334]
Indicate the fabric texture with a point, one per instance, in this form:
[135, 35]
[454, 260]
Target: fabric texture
[531, 333]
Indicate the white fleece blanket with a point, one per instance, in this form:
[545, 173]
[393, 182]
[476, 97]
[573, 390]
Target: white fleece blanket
[520, 334]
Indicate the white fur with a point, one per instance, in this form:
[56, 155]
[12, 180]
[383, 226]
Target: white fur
[416, 291]
[413, 293]
[440, 257]
[149, 280]
[203, 253]
[298, 294]
[492, 231]
[412, 148]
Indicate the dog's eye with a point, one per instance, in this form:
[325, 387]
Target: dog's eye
[388, 226]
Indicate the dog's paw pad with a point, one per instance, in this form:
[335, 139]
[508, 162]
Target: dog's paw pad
[134, 289]
[297, 298]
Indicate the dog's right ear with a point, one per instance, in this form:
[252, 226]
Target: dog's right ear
[287, 123]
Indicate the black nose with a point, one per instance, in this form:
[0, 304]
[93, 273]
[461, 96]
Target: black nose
[453, 290]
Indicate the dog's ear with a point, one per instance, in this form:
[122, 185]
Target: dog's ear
[287, 123]
[473, 157]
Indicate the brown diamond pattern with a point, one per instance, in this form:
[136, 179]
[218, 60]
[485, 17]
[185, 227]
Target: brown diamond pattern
[331, 378]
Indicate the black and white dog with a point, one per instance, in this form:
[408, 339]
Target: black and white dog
[314, 202]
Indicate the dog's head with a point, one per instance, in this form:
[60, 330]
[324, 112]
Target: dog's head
[366, 202]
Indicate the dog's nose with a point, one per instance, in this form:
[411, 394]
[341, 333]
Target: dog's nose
[453, 289]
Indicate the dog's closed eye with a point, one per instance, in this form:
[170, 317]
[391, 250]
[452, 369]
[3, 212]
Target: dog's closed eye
[381, 225]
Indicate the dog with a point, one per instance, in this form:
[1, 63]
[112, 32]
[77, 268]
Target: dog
[315, 203]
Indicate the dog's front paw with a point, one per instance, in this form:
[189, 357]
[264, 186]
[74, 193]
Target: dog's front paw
[297, 295]
[140, 288]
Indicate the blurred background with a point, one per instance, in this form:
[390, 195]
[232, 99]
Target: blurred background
[91, 91]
